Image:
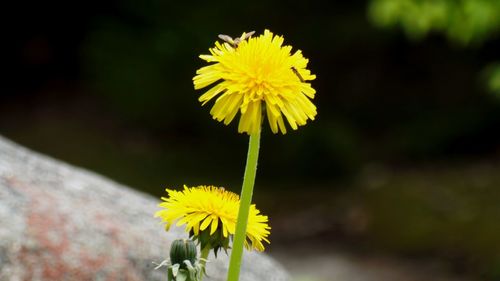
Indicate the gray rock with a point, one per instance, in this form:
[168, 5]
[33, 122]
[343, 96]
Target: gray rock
[60, 222]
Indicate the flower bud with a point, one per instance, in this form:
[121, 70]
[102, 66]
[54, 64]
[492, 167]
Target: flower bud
[181, 250]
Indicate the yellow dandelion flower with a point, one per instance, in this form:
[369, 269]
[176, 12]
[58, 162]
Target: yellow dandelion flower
[257, 74]
[209, 214]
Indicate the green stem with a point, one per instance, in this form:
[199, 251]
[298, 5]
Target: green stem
[245, 202]
[204, 255]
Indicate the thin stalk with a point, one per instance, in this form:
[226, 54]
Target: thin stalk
[203, 258]
[245, 202]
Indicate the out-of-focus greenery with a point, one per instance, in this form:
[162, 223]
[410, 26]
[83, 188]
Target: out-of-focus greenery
[493, 75]
[465, 22]
[451, 211]
[441, 210]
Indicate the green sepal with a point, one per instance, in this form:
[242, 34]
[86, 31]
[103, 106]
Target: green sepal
[175, 269]
[182, 276]
[170, 274]
[215, 241]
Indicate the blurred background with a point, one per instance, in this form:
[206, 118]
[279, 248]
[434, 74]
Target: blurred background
[398, 174]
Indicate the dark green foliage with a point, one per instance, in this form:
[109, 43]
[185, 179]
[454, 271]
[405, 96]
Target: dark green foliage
[463, 21]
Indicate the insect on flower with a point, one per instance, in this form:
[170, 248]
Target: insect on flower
[298, 74]
[234, 42]
[255, 77]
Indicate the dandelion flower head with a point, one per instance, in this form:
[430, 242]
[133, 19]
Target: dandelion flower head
[209, 214]
[257, 74]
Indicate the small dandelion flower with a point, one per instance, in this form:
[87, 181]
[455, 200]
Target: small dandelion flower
[256, 74]
[209, 214]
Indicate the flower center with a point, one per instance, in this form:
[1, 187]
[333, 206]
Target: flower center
[258, 83]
